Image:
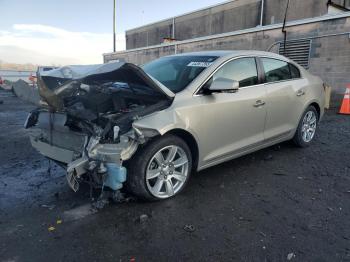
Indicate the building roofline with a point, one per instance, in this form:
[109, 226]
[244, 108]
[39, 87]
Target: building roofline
[184, 14]
[241, 32]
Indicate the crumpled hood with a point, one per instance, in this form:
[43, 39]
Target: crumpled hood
[54, 85]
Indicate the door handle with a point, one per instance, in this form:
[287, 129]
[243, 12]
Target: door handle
[300, 92]
[259, 103]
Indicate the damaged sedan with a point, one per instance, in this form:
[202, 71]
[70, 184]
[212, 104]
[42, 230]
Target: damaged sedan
[146, 128]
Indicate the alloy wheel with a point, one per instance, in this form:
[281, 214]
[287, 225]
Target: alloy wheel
[167, 171]
[309, 125]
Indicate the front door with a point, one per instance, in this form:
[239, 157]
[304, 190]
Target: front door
[233, 123]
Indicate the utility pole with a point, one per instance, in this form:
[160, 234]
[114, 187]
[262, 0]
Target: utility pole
[284, 28]
[262, 12]
[114, 25]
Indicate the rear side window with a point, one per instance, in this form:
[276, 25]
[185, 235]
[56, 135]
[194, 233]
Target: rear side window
[242, 70]
[294, 71]
[275, 70]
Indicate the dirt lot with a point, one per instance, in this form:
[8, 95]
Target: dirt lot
[278, 204]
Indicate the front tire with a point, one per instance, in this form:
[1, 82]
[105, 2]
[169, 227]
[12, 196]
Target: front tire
[160, 169]
[307, 127]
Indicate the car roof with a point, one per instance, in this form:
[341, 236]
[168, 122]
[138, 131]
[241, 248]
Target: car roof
[232, 53]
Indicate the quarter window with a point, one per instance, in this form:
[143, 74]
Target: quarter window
[275, 70]
[242, 70]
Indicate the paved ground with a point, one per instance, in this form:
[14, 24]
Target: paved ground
[277, 204]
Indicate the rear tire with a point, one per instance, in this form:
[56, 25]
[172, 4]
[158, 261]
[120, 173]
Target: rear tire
[307, 127]
[160, 169]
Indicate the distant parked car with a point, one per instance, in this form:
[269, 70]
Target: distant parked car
[177, 114]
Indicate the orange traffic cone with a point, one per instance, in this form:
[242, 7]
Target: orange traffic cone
[345, 106]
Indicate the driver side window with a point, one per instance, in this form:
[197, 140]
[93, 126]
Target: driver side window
[242, 70]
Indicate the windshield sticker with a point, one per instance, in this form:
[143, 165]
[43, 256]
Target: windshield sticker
[200, 64]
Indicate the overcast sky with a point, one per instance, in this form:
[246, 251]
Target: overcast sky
[76, 31]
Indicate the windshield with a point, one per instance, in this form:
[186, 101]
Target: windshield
[176, 72]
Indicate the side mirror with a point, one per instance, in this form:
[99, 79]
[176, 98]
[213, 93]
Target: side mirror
[224, 85]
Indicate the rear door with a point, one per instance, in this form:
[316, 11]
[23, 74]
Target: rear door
[283, 87]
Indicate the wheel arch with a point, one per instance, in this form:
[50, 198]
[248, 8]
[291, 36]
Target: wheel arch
[190, 141]
[317, 107]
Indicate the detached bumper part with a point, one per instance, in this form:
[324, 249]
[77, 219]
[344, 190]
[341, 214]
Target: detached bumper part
[72, 181]
[53, 152]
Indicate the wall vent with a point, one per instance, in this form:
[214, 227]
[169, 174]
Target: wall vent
[297, 50]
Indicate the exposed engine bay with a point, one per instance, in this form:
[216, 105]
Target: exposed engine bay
[86, 119]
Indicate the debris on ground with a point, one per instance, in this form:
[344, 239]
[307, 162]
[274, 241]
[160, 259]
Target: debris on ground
[279, 174]
[189, 228]
[50, 207]
[119, 197]
[262, 233]
[143, 218]
[290, 256]
[79, 212]
[100, 203]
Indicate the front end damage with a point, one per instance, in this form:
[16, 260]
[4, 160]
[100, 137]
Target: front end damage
[85, 123]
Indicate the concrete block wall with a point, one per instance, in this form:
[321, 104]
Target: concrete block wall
[298, 9]
[230, 16]
[149, 35]
[140, 57]
[226, 17]
[329, 58]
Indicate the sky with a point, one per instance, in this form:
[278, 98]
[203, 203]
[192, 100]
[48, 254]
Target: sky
[48, 32]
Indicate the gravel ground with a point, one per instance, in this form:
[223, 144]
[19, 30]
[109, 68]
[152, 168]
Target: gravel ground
[278, 204]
